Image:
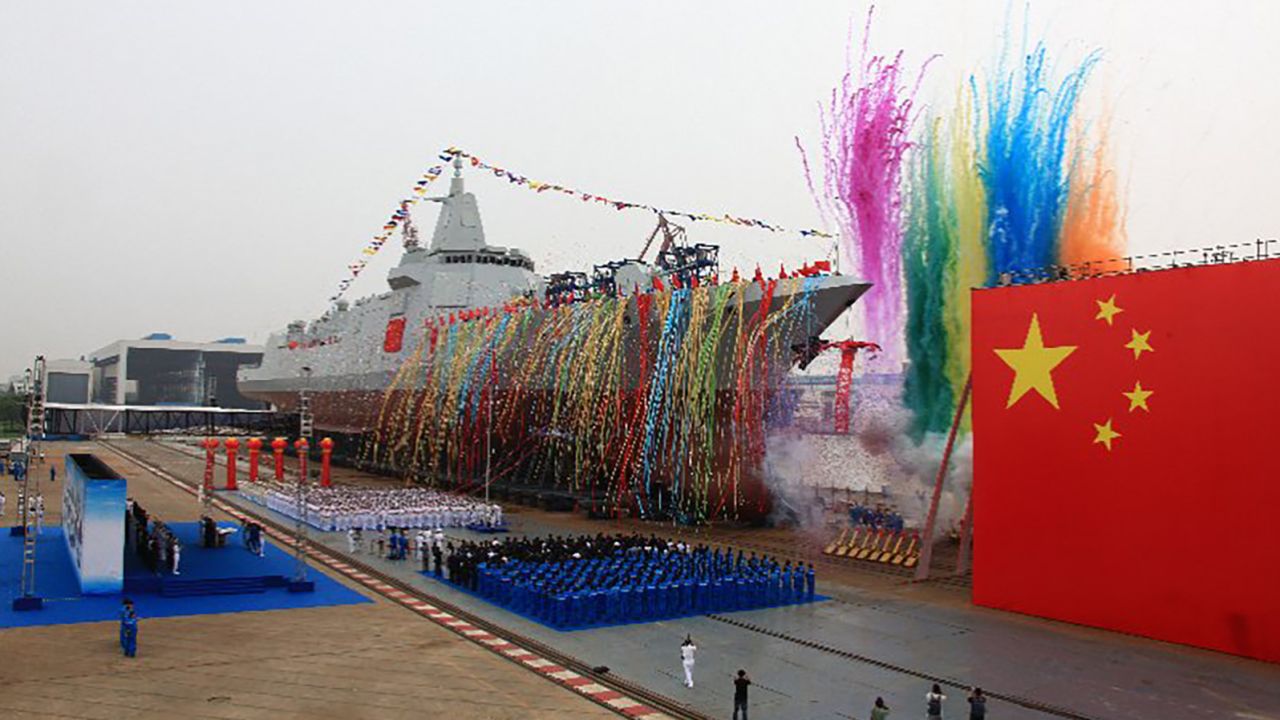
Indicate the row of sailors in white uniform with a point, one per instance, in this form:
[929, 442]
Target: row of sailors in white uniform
[427, 516]
[430, 517]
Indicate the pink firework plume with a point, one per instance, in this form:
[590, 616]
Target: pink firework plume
[865, 138]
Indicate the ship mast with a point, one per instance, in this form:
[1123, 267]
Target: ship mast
[409, 232]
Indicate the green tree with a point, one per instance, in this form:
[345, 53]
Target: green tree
[11, 419]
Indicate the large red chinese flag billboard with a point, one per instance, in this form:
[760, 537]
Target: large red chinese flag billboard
[1127, 453]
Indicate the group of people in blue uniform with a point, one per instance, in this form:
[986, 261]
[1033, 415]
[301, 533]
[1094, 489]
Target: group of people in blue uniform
[876, 518]
[398, 545]
[585, 580]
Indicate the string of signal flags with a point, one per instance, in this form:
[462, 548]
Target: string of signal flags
[448, 155]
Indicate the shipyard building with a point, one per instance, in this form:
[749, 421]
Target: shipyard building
[68, 381]
[158, 370]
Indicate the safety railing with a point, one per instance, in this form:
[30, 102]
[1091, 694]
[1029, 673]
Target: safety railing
[1254, 250]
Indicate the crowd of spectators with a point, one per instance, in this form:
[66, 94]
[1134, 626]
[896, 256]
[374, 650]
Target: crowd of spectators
[584, 580]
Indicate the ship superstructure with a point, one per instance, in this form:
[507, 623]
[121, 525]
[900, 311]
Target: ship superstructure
[347, 358]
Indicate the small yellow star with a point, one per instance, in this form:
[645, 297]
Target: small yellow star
[1105, 434]
[1140, 343]
[1138, 398]
[1107, 310]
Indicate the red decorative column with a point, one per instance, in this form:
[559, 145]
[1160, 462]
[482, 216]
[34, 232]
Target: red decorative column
[277, 447]
[326, 451]
[255, 447]
[210, 447]
[301, 446]
[232, 446]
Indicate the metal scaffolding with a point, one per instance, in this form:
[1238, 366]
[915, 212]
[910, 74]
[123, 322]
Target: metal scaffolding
[305, 423]
[35, 433]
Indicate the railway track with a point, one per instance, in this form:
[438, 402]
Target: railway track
[619, 695]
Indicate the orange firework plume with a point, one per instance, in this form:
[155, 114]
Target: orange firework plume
[1093, 230]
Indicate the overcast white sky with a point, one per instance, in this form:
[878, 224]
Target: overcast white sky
[209, 169]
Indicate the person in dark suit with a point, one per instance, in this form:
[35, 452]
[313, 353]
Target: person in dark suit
[740, 685]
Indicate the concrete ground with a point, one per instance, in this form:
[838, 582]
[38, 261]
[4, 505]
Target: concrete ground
[361, 661]
[879, 636]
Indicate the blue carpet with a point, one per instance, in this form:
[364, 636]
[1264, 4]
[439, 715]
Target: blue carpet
[200, 563]
[574, 628]
[63, 604]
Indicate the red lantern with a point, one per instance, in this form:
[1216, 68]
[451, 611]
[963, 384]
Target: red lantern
[277, 446]
[255, 446]
[210, 447]
[326, 453]
[232, 446]
[301, 446]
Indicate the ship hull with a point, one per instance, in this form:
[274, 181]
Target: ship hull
[354, 377]
[533, 441]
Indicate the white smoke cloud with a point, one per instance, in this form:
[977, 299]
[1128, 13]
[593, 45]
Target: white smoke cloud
[878, 461]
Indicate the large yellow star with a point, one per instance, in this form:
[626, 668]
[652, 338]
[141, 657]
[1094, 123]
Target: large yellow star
[1107, 310]
[1138, 398]
[1033, 364]
[1140, 343]
[1105, 434]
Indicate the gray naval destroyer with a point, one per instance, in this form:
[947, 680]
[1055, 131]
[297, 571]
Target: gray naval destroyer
[345, 363]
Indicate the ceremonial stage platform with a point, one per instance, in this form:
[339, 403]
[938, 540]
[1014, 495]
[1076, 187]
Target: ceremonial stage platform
[223, 580]
[229, 570]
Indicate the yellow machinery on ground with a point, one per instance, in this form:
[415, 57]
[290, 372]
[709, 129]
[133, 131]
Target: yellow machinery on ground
[883, 546]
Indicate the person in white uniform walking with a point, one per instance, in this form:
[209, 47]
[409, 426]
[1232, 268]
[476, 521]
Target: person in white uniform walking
[687, 649]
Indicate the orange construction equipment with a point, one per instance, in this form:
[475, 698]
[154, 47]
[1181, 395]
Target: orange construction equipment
[872, 540]
[835, 544]
[848, 549]
[888, 555]
[881, 547]
[912, 554]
